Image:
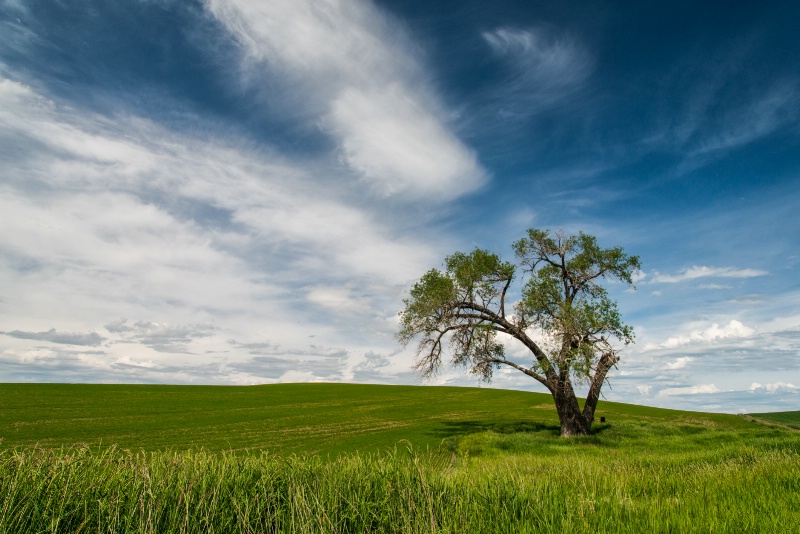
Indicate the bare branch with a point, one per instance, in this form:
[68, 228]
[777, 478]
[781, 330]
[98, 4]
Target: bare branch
[503, 297]
[518, 367]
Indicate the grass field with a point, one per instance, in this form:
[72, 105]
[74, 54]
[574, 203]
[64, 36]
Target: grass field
[356, 458]
[790, 419]
[285, 418]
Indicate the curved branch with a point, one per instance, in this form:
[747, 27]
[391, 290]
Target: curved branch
[518, 367]
[485, 314]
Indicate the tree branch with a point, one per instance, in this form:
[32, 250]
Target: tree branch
[486, 314]
[518, 367]
[503, 297]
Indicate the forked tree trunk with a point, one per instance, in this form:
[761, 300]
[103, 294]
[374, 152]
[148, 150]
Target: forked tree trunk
[573, 421]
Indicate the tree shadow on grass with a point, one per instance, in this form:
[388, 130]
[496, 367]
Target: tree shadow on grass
[599, 428]
[458, 429]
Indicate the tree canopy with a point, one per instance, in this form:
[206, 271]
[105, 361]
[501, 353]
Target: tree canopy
[561, 313]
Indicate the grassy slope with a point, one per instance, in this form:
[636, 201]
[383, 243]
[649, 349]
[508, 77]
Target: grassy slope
[503, 469]
[291, 418]
[791, 419]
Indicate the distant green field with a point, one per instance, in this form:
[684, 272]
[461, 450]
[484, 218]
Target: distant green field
[785, 418]
[284, 418]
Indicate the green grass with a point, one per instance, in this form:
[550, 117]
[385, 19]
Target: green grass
[347, 458]
[283, 419]
[582, 490]
[791, 419]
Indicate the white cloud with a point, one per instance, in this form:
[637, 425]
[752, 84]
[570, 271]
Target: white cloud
[644, 389]
[352, 70]
[161, 337]
[128, 361]
[107, 218]
[399, 146]
[547, 59]
[294, 376]
[680, 363]
[281, 201]
[775, 387]
[339, 299]
[715, 332]
[696, 272]
[692, 390]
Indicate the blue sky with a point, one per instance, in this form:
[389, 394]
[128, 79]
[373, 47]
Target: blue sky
[242, 191]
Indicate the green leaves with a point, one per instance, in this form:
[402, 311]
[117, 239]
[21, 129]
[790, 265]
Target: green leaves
[561, 301]
[478, 274]
[577, 260]
[478, 266]
[563, 296]
[428, 305]
[564, 316]
[465, 302]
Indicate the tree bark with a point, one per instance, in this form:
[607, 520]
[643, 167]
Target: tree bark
[606, 362]
[573, 422]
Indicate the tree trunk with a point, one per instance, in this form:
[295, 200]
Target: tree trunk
[573, 422]
[606, 361]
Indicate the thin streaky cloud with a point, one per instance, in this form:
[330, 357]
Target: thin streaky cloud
[778, 107]
[699, 128]
[690, 390]
[92, 339]
[703, 271]
[544, 68]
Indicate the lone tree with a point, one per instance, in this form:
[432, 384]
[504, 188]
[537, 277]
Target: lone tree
[564, 317]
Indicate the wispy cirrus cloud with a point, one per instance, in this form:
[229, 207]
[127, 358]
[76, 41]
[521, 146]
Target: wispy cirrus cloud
[777, 107]
[398, 145]
[725, 108]
[705, 131]
[351, 70]
[693, 273]
[544, 68]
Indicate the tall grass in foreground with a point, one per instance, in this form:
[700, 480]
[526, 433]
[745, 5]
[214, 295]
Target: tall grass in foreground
[82, 490]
